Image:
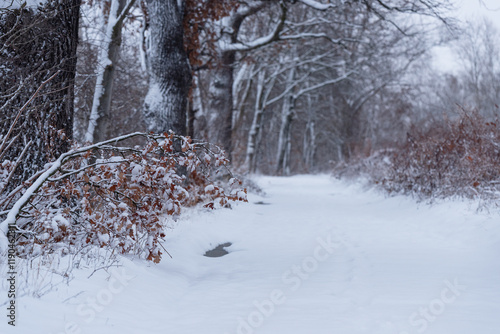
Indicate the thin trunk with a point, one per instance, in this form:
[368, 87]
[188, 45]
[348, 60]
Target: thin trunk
[310, 136]
[256, 123]
[191, 116]
[221, 103]
[240, 102]
[284, 143]
[264, 88]
[284, 140]
[170, 74]
[199, 121]
[97, 130]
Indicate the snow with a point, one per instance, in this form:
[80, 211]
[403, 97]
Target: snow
[314, 255]
[153, 99]
[317, 5]
[10, 220]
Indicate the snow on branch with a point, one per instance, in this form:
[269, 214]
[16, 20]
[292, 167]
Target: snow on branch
[259, 42]
[317, 5]
[322, 84]
[311, 35]
[275, 35]
[115, 197]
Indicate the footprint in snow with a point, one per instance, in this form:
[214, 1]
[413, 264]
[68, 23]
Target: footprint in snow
[218, 251]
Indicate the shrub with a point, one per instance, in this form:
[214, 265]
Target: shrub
[458, 158]
[114, 197]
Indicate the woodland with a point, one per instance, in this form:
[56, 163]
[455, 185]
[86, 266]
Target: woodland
[115, 113]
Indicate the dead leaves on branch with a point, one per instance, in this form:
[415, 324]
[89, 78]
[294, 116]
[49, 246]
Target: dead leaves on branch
[117, 197]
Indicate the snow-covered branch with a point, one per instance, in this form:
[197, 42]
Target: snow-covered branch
[259, 42]
[322, 84]
[109, 196]
[11, 218]
[318, 5]
[311, 35]
[121, 16]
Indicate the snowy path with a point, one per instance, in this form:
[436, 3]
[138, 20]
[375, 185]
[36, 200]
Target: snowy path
[318, 257]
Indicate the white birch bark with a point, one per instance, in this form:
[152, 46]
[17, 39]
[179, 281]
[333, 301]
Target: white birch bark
[221, 88]
[110, 49]
[264, 88]
[309, 147]
[254, 128]
[284, 139]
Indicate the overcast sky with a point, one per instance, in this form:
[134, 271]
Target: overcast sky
[468, 10]
[471, 8]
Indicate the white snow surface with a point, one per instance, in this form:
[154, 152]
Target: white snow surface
[315, 255]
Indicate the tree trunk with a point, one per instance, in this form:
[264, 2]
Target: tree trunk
[97, 130]
[256, 123]
[220, 111]
[285, 143]
[35, 45]
[310, 136]
[170, 74]
[284, 140]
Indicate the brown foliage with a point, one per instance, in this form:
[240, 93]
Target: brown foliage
[459, 158]
[199, 29]
[118, 198]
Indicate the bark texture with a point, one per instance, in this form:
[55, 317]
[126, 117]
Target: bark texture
[170, 74]
[34, 45]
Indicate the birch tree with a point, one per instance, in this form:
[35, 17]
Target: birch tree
[478, 49]
[107, 62]
[236, 39]
[220, 109]
[295, 89]
[264, 86]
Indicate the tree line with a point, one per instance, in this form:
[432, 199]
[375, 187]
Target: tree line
[282, 85]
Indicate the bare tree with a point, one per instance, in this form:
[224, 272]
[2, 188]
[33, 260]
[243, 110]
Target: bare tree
[478, 48]
[107, 62]
[220, 109]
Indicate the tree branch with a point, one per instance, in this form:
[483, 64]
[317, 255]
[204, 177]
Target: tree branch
[262, 41]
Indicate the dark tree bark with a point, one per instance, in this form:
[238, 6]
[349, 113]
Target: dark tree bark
[35, 44]
[170, 74]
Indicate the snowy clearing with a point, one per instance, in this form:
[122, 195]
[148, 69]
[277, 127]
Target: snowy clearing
[312, 256]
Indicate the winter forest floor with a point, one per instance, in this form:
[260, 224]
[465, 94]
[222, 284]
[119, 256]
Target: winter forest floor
[314, 255]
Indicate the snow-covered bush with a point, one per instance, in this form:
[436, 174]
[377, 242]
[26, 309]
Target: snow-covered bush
[457, 158]
[114, 197]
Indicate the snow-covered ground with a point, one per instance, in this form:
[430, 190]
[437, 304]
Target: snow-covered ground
[315, 256]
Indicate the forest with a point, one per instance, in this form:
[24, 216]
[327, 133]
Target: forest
[119, 116]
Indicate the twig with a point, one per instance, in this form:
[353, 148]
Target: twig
[22, 110]
[165, 250]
